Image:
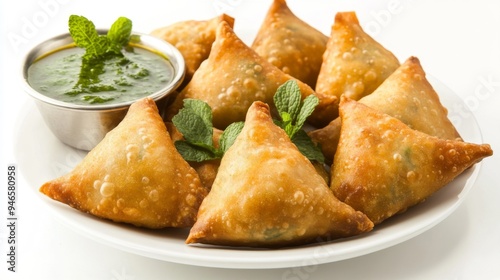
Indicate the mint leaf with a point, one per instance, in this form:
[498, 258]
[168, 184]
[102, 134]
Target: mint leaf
[294, 114]
[292, 111]
[195, 153]
[194, 121]
[307, 147]
[287, 99]
[307, 108]
[119, 34]
[286, 123]
[85, 36]
[229, 135]
[82, 31]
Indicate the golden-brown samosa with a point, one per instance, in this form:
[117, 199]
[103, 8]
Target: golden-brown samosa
[193, 38]
[233, 77]
[134, 175]
[290, 44]
[354, 64]
[406, 95]
[382, 166]
[267, 194]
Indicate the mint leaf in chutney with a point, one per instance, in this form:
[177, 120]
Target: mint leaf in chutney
[119, 34]
[82, 31]
[85, 36]
[96, 46]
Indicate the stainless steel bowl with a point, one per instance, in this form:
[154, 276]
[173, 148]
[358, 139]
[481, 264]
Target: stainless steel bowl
[84, 126]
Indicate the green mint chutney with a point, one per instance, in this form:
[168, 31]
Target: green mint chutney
[64, 76]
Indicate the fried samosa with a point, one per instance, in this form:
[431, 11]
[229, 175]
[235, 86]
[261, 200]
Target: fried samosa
[354, 64]
[382, 167]
[267, 194]
[233, 77]
[193, 38]
[134, 175]
[406, 95]
[290, 44]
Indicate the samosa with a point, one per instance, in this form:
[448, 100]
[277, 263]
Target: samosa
[267, 194]
[354, 64]
[290, 43]
[193, 38]
[134, 175]
[382, 167]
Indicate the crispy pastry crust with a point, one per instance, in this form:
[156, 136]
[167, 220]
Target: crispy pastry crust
[290, 44]
[354, 64]
[382, 166]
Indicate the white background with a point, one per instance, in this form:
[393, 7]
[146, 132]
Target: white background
[457, 42]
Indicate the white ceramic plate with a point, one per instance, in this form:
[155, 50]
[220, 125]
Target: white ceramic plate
[54, 159]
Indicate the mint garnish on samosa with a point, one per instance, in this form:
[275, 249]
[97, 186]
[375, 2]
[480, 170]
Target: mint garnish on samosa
[194, 121]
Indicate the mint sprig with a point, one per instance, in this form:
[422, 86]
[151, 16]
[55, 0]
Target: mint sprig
[294, 113]
[85, 36]
[194, 121]
[119, 34]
